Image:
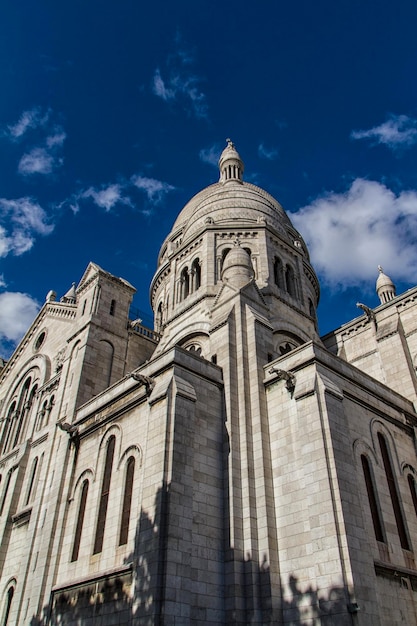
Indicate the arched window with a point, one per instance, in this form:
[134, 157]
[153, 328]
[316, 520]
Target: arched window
[30, 404]
[159, 318]
[9, 598]
[412, 485]
[373, 502]
[225, 252]
[80, 521]
[21, 411]
[42, 416]
[30, 490]
[279, 273]
[184, 283]
[8, 426]
[105, 358]
[104, 497]
[399, 519]
[5, 491]
[127, 501]
[290, 281]
[196, 275]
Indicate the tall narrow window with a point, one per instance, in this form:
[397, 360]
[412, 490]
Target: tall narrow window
[112, 307]
[278, 273]
[373, 504]
[10, 594]
[185, 283]
[32, 480]
[127, 501]
[8, 426]
[21, 412]
[80, 521]
[393, 492]
[290, 281]
[196, 275]
[5, 491]
[104, 497]
[225, 252]
[412, 485]
[159, 318]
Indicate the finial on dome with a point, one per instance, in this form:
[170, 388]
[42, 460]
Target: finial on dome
[385, 288]
[230, 164]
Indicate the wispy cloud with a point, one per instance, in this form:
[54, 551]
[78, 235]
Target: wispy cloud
[44, 157]
[160, 89]
[211, 155]
[399, 131]
[32, 118]
[350, 233]
[267, 153]
[17, 311]
[107, 197]
[21, 221]
[155, 189]
[57, 138]
[180, 83]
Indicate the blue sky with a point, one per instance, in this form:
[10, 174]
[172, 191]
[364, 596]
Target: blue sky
[113, 115]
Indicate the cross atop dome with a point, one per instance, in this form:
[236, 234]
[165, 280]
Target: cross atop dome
[230, 164]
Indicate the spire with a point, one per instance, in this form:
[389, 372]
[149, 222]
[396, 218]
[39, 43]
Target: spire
[385, 288]
[230, 164]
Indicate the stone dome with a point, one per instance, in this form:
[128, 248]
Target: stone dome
[233, 202]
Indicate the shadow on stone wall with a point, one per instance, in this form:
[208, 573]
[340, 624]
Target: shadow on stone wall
[110, 600]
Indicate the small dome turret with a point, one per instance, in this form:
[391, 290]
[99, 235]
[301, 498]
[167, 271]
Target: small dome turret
[385, 288]
[237, 268]
[230, 164]
[71, 295]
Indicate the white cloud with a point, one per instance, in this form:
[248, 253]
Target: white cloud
[154, 189]
[22, 220]
[17, 311]
[2, 280]
[107, 197]
[350, 233]
[37, 161]
[180, 83]
[211, 155]
[32, 118]
[267, 153]
[399, 131]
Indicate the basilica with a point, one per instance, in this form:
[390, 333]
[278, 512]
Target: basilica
[229, 466]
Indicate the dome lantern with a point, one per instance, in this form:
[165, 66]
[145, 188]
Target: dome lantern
[230, 164]
[385, 288]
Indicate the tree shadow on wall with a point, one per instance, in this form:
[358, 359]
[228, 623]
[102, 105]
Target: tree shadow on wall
[135, 596]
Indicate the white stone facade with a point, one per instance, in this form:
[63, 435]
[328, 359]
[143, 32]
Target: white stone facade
[229, 467]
